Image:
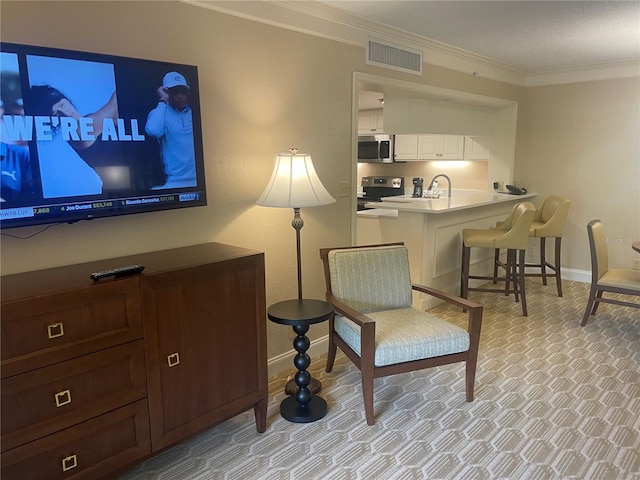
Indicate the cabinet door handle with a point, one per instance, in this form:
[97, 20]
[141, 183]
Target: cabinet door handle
[173, 359]
[55, 330]
[69, 462]
[63, 398]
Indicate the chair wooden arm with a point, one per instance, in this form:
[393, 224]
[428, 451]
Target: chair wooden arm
[475, 311]
[447, 297]
[343, 309]
[367, 334]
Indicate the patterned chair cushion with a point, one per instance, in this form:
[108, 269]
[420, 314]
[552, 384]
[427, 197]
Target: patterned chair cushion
[406, 334]
[369, 280]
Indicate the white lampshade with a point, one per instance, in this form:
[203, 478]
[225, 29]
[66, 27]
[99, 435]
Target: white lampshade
[294, 183]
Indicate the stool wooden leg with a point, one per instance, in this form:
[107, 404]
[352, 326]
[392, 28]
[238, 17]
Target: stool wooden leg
[511, 275]
[464, 271]
[496, 264]
[543, 260]
[557, 266]
[520, 275]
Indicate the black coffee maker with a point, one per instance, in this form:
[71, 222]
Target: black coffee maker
[417, 187]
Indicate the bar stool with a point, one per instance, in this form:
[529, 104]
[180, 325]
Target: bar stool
[513, 237]
[548, 222]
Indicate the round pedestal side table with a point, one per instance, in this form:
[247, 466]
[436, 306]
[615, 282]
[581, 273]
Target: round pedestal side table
[303, 406]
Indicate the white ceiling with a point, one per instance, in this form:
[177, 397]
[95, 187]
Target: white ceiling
[530, 36]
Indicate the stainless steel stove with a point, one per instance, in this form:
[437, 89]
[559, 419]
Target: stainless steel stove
[375, 188]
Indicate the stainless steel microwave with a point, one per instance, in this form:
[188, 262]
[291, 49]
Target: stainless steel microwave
[375, 148]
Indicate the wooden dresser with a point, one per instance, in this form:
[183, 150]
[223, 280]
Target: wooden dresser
[98, 376]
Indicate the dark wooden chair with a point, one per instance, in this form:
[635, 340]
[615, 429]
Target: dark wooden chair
[604, 279]
[377, 327]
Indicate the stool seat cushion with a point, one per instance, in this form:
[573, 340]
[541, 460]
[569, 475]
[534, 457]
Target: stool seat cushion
[550, 218]
[481, 238]
[514, 239]
[534, 227]
[406, 334]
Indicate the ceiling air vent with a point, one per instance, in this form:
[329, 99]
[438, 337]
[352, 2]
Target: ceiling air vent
[392, 56]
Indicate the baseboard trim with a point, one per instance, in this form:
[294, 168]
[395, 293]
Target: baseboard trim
[583, 276]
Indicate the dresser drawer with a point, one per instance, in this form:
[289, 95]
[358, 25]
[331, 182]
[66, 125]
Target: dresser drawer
[90, 450]
[44, 401]
[46, 329]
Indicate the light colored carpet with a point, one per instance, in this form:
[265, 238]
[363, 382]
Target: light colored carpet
[553, 401]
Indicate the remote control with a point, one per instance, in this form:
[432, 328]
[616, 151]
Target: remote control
[117, 272]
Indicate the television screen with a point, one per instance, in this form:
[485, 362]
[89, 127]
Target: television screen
[87, 135]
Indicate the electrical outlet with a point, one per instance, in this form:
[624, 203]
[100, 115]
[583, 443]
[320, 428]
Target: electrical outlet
[344, 189]
[636, 263]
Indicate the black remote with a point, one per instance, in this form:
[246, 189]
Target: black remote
[117, 272]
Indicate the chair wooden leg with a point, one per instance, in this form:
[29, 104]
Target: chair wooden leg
[557, 266]
[543, 260]
[367, 394]
[596, 302]
[331, 353]
[475, 322]
[590, 305]
[470, 378]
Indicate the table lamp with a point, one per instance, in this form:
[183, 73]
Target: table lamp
[295, 184]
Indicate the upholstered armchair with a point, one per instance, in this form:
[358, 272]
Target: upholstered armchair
[377, 327]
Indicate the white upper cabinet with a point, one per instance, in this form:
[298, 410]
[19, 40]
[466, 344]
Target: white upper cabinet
[440, 147]
[476, 148]
[429, 147]
[370, 122]
[406, 147]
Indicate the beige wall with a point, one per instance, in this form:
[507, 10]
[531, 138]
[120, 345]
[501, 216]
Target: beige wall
[265, 89]
[583, 140]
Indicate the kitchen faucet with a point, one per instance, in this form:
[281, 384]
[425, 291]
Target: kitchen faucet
[434, 183]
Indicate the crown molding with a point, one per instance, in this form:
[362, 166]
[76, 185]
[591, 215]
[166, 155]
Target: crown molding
[319, 19]
[584, 73]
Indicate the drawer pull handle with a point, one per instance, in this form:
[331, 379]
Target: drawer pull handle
[63, 398]
[173, 359]
[69, 462]
[55, 330]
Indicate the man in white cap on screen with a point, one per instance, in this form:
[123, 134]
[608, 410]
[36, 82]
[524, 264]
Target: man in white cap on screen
[171, 123]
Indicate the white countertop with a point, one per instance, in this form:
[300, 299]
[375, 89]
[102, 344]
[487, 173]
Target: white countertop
[460, 200]
[377, 213]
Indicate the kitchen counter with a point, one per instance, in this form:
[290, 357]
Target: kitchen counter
[459, 200]
[377, 212]
[432, 231]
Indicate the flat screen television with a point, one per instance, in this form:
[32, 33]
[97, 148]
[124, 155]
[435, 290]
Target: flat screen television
[88, 135]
